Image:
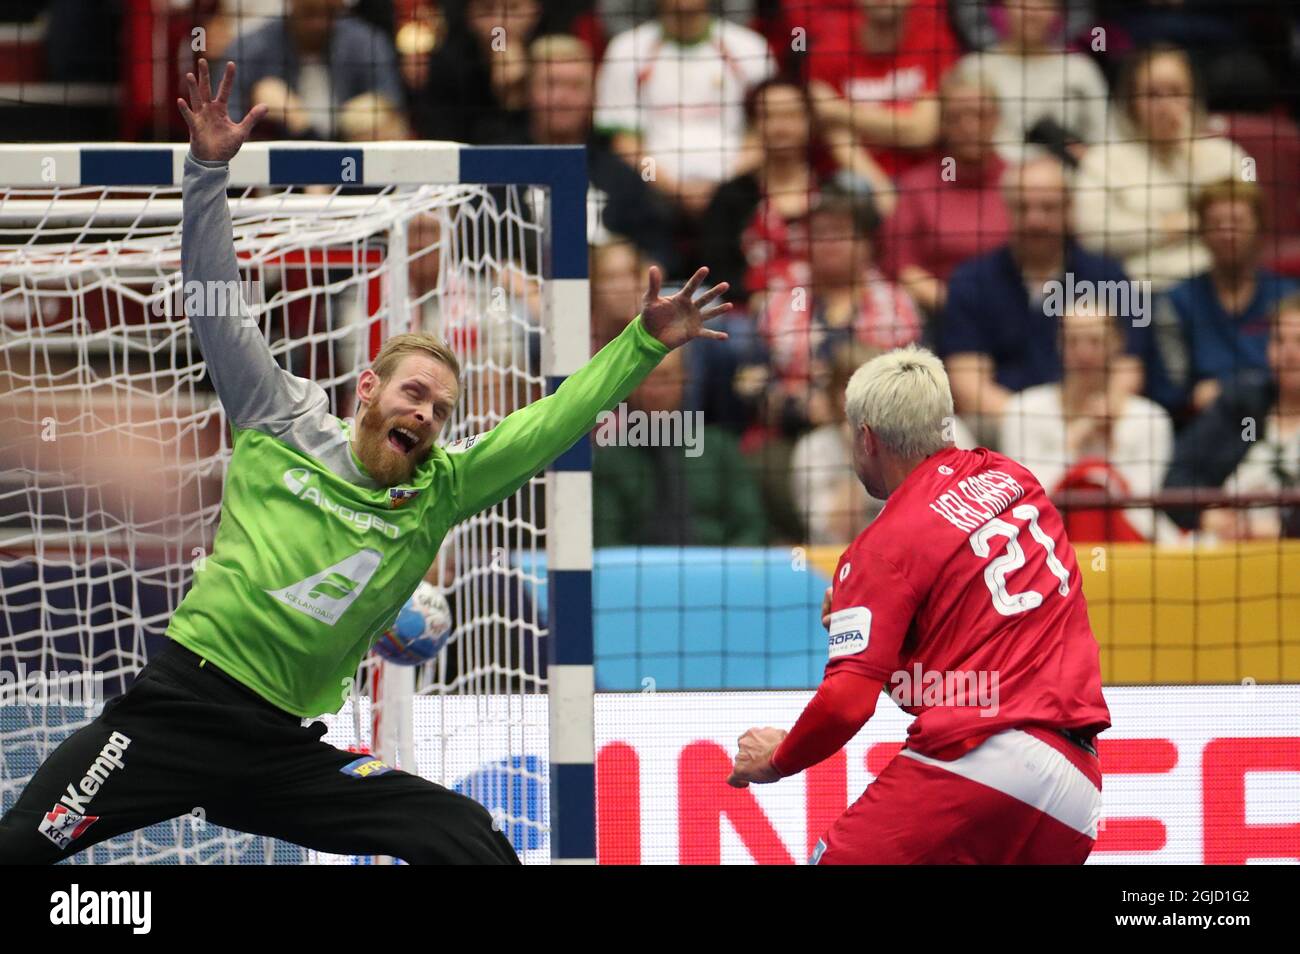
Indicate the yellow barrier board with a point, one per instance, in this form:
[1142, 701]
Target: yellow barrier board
[1174, 615]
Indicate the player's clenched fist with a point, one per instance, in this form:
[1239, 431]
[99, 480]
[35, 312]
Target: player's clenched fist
[826, 607]
[754, 760]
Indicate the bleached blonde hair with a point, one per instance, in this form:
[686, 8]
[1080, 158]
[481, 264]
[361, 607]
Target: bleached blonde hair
[904, 397]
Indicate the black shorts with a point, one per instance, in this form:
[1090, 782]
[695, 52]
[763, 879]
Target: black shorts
[187, 739]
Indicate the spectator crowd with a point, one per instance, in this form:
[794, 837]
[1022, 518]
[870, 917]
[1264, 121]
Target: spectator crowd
[1087, 209]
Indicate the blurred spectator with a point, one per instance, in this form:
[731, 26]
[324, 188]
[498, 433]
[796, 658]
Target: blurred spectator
[476, 89]
[830, 499]
[1248, 441]
[1215, 325]
[998, 334]
[218, 25]
[621, 15]
[577, 18]
[207, 32]
[561, 89]
[755, 232]
[1133, 196]
[720, 375]
[697, 492]
[848, 299]
[725, 379]
[1039, 84]
[950, 208]
[324, 75]
[617, 272]
[422, 28]
[671, 94]
[981, 25]
[1073, 434]
[878, 77]
[1234, 70]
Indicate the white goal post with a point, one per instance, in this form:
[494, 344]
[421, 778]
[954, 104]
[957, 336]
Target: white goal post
[344, 245]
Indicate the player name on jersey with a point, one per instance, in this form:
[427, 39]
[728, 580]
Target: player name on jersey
[977, 499]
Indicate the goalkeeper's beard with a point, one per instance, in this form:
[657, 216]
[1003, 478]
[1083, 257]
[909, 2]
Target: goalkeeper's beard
[381, 462]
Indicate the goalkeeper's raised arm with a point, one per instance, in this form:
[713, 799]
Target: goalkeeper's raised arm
[249, 383]
[495, 464]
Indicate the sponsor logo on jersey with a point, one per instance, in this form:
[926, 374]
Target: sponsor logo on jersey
[296, 479]
[901, 85]
[462, 444]
[850, 631]
[327, 595]
[336, 586]
[63, 826]
[844, 571]
[366, 767]
[299, 482]
[400, 495]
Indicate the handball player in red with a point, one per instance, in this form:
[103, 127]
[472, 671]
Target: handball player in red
[963, 601]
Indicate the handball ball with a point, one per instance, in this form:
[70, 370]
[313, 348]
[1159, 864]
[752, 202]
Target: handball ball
[421, 629]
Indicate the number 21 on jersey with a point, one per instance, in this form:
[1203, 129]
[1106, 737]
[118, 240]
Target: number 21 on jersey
[995, 574]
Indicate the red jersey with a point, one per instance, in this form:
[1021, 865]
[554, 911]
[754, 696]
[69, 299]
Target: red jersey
[965, 597]
[894, 80]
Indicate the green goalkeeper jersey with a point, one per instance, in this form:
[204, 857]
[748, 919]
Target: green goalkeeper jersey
[313, 557]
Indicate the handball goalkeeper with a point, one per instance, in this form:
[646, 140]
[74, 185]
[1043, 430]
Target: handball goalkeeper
[326, 529]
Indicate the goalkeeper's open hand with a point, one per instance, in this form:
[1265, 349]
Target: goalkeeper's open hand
[754, 760]
[213, 136]
[676, 320]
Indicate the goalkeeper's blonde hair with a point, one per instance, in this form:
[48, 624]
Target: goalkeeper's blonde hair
[399, 346]
[904, 397]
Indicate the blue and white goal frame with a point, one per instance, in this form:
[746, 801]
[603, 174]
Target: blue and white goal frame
[562, 171]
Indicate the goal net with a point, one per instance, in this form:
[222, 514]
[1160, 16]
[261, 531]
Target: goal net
[116, 448]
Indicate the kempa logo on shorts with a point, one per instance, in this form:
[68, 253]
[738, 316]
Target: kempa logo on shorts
[298, 480]
[74, 907]
[110, 757]
[67, 820]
